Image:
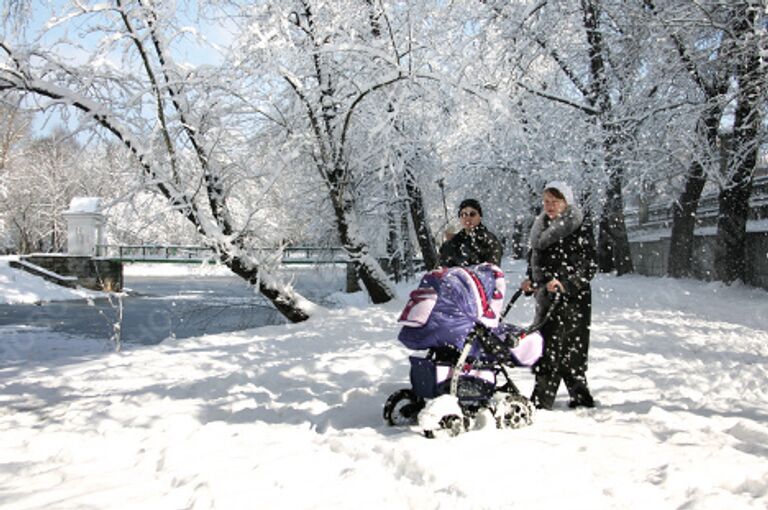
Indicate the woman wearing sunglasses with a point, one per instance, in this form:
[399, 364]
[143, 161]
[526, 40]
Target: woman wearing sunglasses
[474, 243]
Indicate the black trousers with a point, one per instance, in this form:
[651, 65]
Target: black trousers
[566, 348]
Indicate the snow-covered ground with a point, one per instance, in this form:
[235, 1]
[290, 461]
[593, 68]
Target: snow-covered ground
[290, 416]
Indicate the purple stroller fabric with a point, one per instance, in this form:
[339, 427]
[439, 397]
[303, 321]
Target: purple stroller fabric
[456, 309]
[450, 301]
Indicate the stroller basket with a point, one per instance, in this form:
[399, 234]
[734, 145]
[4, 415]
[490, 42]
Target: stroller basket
[430, 379]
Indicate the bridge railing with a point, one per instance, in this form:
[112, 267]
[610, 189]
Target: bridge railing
[314, 255]
[156, 252]
[189, 254]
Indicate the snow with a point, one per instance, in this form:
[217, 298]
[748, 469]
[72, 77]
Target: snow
[433, 412]
[21, 287]
[160, 270]
[44, 271]
[85, 205]
[290, 416]
[757, 225]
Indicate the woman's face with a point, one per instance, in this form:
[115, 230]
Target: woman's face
[470, 218]
[553, 206]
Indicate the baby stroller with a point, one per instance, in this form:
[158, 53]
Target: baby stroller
[455, 315]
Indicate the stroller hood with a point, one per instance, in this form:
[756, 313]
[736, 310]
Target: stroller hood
[449, 302]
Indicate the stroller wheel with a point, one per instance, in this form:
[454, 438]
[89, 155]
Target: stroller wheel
[513, 412]
[450, 425]
[453, 424]
[402, 408]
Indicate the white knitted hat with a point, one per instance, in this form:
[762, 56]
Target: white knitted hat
[563, 188]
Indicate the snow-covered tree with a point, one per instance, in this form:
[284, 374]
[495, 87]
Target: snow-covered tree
[124, 80]
[41, 181]
[346, 88]
[39, 188]
[333, 121]
[716, 68]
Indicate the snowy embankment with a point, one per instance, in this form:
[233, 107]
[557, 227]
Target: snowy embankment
[21, 287]
[290, 417]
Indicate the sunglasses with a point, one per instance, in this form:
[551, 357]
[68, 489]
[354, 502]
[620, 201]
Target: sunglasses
[468, 214]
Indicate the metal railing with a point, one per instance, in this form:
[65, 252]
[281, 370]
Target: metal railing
[659, 215]
[155, 253]
[202, 254]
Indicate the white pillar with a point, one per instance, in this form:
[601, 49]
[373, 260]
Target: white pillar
[85, 226]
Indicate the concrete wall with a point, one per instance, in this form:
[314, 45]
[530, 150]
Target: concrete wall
[91, 273]
[650, 257]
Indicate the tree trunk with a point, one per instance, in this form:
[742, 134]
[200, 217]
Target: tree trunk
[518, 234]
[730, 263]
[366, 267]
[394, 244]
[399, 244]
[24, 243]
[613, 248]
[684, 222]
[286, 304]
[420, 223]
[613, 234]
[604, 249]
[406, 242]
[684, 210]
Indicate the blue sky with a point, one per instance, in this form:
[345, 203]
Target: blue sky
[187, 49]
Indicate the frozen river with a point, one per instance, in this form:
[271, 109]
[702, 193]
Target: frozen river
[160, 307]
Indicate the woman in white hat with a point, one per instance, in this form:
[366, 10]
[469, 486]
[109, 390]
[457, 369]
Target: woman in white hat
[561, 260]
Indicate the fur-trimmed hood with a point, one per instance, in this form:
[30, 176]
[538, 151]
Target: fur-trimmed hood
[546, 232]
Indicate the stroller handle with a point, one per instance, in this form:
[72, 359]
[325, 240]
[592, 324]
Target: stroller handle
[552, 307]
[514, 298]
[537, 326]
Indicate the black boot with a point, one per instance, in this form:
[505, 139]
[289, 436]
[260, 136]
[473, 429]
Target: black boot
[538, 403]
[582, 400]
[544, 391]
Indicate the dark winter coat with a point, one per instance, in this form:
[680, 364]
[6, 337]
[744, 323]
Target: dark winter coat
[467, 249]
[564, 249]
